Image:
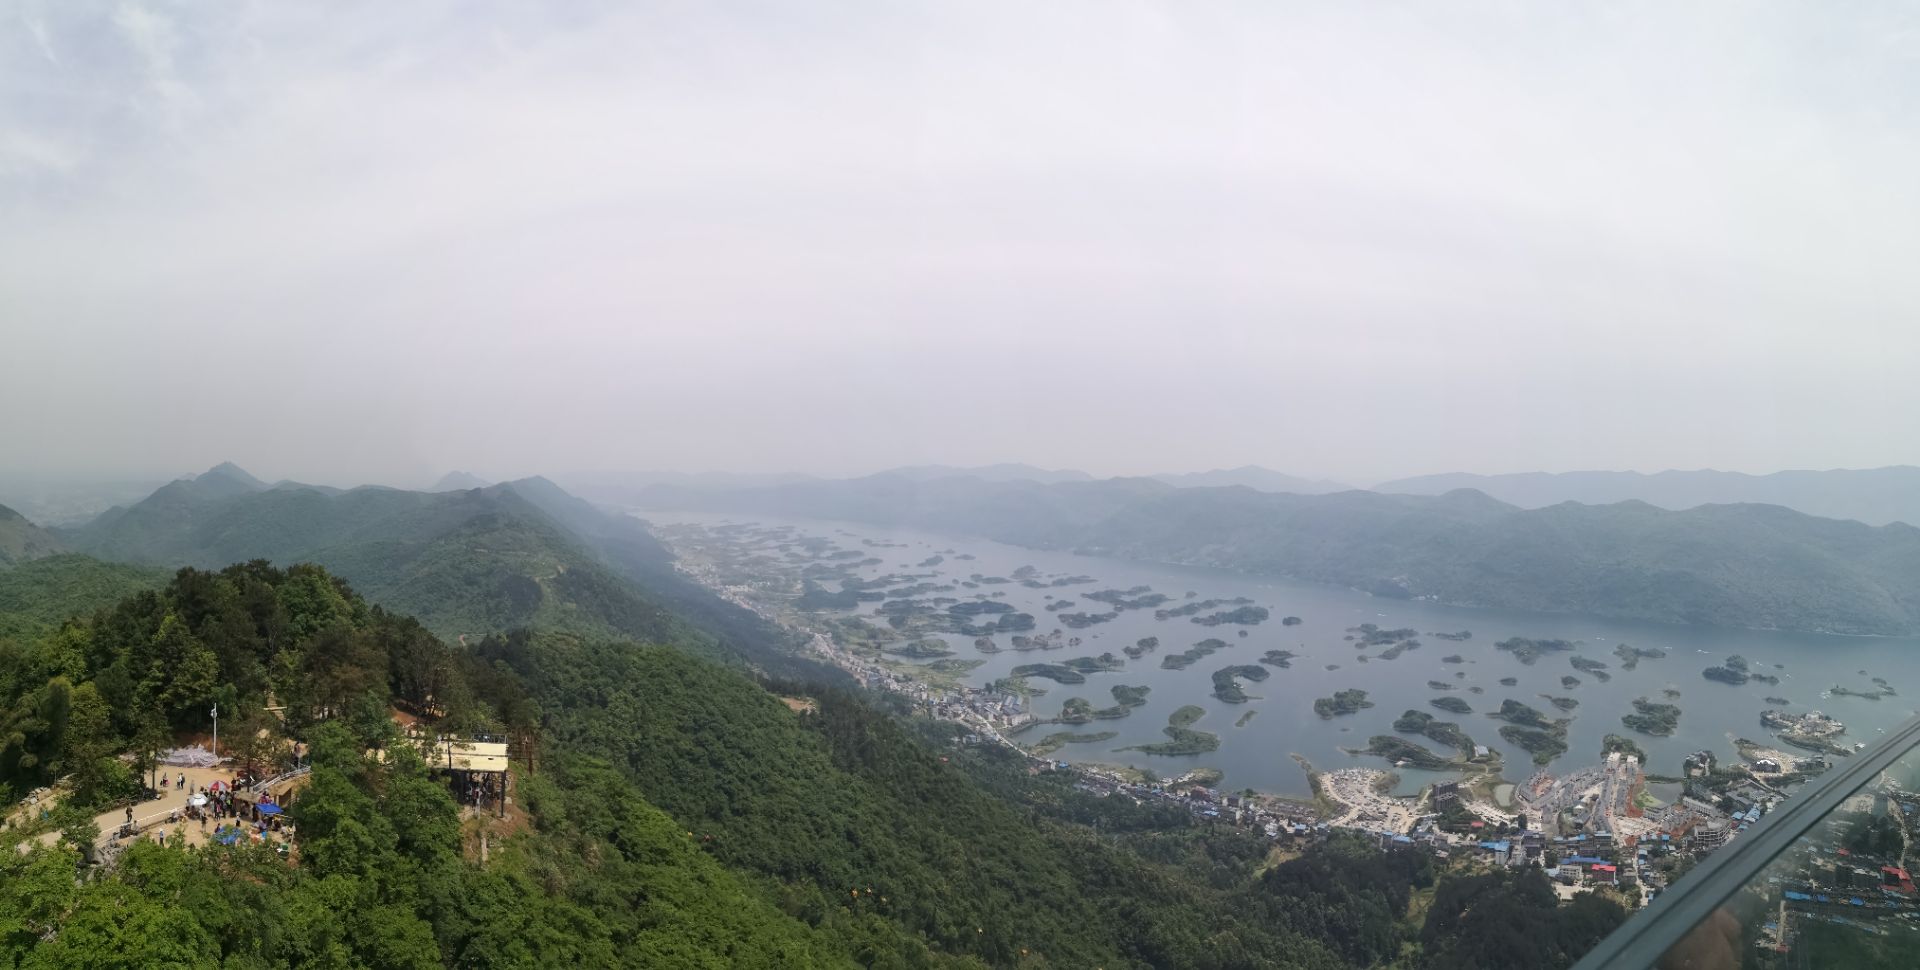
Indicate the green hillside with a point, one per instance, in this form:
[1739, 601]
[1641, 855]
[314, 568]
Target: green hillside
[681, 816]
[465, 563]
[36, 596]
[21, 540]
[1756, 566]
[386, 876]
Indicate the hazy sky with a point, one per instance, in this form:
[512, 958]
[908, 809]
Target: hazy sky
[373, 241]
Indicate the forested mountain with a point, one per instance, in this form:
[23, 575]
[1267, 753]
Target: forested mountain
[1875, 496]
[386, 875]
[466, 563]
[21, 540]
[36, 596]
[681, 815]
[1756, 566]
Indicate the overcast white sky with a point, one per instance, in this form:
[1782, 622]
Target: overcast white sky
[374, 241]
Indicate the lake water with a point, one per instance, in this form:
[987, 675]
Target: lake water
[1258, 754]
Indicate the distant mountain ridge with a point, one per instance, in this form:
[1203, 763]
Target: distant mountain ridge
[1876, 496]
[624, 488]
[1003, 472]
[1752, 566]
[471, 562]
[1254, 477]
[458, 481]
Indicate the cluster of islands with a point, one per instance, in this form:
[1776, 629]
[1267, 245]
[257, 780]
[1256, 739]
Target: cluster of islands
[916, 618]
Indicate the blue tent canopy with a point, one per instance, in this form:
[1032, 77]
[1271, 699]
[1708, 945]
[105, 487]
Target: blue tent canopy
[269, 809]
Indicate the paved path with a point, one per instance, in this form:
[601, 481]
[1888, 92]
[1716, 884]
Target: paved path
[151, 816]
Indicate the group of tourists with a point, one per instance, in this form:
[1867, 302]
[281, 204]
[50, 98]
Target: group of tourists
[480, 790]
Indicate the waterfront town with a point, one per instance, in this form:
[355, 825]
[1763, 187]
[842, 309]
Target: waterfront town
[1590, 828]
[1593, 829]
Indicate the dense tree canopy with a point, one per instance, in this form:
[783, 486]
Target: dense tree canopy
[680, 815]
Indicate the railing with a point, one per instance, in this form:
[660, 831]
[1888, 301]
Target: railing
[267, 783]
[1699, 914]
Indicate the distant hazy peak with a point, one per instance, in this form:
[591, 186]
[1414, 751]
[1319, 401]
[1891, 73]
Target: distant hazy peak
[1254, 477]
[1003, 472]
[1876, 496]
[229, 472]
[458, 481]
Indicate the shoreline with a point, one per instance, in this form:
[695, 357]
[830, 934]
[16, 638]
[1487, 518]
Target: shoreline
[1334, 797]
[823, 645]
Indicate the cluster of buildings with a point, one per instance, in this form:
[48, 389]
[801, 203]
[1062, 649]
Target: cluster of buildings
[1009, 711]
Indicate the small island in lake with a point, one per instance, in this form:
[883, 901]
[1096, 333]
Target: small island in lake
[1445, 732]
[1078, 710]
[1278, 658]
[1813, 731]
[1515, 682]
[1529, 651]
[1342, 702]
[1370, 635]
[1630, 656]
[1137, 598]
[1394, 652]
[1658, 720]
[1880, 690]
[1246, 615]
[1186, 658]
[1142, 647]
[1515, 712]
[1594, 668]
[1094, 665]
[1452, 705]
[1226, 680]
[1543, 745]
[1185, 740]
[1291, 621]
[1192, 607]
[1532, 731]
[1735, 671]
[1080, 621]
[1563, 703]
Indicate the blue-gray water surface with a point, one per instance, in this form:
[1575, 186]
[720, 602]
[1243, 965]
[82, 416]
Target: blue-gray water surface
[1258, 754]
